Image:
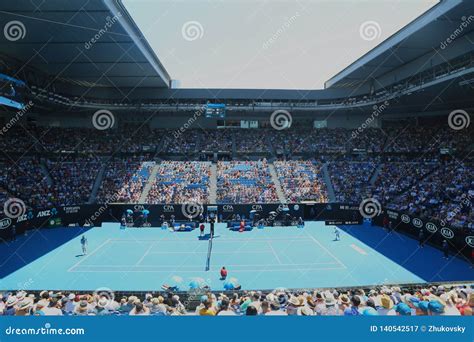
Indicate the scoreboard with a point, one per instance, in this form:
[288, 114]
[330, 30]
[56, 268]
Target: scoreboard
[215, 110]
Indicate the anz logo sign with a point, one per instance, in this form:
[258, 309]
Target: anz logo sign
[5, 223]
[447, 233]
[44, 213]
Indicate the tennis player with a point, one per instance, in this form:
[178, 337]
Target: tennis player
[84, 245]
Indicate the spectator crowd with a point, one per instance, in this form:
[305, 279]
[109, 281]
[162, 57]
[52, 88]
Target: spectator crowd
[402, 167]
[435, 300]
[245, 182]
[181, 182]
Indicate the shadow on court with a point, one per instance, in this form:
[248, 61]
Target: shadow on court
[427, 262]
[206, 237]
[26, 249]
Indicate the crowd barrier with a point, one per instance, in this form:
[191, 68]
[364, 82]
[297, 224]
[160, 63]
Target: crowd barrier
[95, 214]
[460, 240]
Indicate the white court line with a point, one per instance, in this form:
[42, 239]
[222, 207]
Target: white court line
[205, 252]
[274, 253]
[144, 255]
[358, 249]
[236, 265]
[127, 267]
[216, 270]
[88, 255]
[216, 239]
[327, 250]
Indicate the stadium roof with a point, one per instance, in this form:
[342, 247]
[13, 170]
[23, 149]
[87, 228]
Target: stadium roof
[421, 38]
[89, 43]
[80, 42]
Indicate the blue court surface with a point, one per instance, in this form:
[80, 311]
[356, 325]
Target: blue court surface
[145, 259]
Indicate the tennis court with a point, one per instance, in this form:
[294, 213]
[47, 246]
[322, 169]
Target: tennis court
[146, 259]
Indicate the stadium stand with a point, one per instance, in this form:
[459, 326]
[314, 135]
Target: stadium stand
[422, 300]
[245, 182]
[302, 181]
[380, 130]
[407, 173]
[181, 182]
[124, 181]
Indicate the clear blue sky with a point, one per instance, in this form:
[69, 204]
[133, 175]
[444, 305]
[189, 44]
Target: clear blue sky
[274, 44]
